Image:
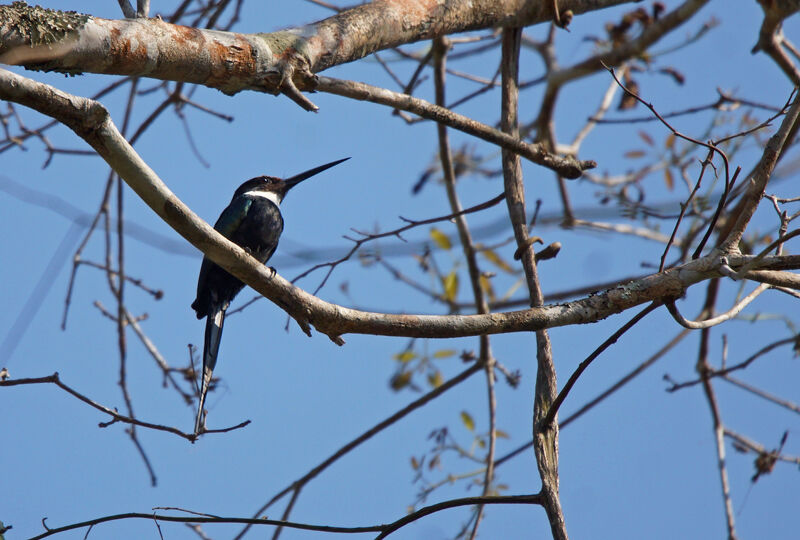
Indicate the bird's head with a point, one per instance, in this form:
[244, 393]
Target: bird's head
[277, 188]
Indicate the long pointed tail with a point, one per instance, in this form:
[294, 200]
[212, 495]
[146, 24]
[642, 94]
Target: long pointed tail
[214, 323]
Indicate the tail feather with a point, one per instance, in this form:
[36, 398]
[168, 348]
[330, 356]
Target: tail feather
[214, 322]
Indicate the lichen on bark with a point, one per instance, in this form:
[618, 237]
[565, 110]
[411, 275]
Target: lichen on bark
[41, 26]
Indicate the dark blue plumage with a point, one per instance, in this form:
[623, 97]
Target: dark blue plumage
[252, 220]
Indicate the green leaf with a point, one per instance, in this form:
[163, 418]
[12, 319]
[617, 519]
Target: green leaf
[441, 239]
[469, 423]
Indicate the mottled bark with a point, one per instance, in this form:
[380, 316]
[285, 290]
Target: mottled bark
[274, 62]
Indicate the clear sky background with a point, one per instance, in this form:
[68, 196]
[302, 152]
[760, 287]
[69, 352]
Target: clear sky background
[641, 465]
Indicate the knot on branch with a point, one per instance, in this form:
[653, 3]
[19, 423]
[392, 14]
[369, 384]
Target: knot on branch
[572, 168]
[280, 79]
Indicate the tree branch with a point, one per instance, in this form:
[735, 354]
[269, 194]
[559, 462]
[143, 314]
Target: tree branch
[567, 166]
[90, 120]
[276, 62]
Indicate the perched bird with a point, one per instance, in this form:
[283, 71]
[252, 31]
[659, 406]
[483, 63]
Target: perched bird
[253, 221]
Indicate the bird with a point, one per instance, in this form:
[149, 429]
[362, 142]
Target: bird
[253, 221]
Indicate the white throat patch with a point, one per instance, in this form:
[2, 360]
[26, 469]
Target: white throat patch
[269, 195]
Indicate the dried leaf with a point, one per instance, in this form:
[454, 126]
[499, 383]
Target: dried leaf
[634, 154]
[676, 75]
[441, 239]
[646, 138]
[668, 180]
[469, 423]
[414, 463]
[627, 101]
[669, 142]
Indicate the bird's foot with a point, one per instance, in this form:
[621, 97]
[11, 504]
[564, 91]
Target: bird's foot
[272, 271]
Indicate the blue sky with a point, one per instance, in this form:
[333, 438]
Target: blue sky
[640, 465]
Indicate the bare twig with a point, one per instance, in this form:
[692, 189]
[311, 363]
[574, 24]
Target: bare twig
[708, 323]
[116, 417]
[703, 368]
[298, 484]
[553, 411]
[566, 166]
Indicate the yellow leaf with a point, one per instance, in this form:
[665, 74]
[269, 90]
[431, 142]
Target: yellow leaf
[441, 239]
[500, 434]
[405, 356]
[486, 286]
[495, 259]
[468, 421]
[450, 284]
[668, 180]
[444, 353]
[435, 379]
[670, 141]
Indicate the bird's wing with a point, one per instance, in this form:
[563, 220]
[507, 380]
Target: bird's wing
[227, 224]
[233, 215]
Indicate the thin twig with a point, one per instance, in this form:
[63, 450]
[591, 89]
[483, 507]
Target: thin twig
[553, 411]
[708, 323]
[368, 434]
[116, 417]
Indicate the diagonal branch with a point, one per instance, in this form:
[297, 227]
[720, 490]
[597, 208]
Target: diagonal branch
[567, 166]
[91, 121]
[760, 177]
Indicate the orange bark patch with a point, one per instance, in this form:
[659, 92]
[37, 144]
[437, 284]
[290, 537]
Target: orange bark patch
[233, 61]
[127, 57]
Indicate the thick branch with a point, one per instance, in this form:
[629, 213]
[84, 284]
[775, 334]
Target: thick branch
[90, 121]
[282, 61]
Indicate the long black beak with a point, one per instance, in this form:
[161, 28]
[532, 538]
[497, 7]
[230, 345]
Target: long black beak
[294, 180]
